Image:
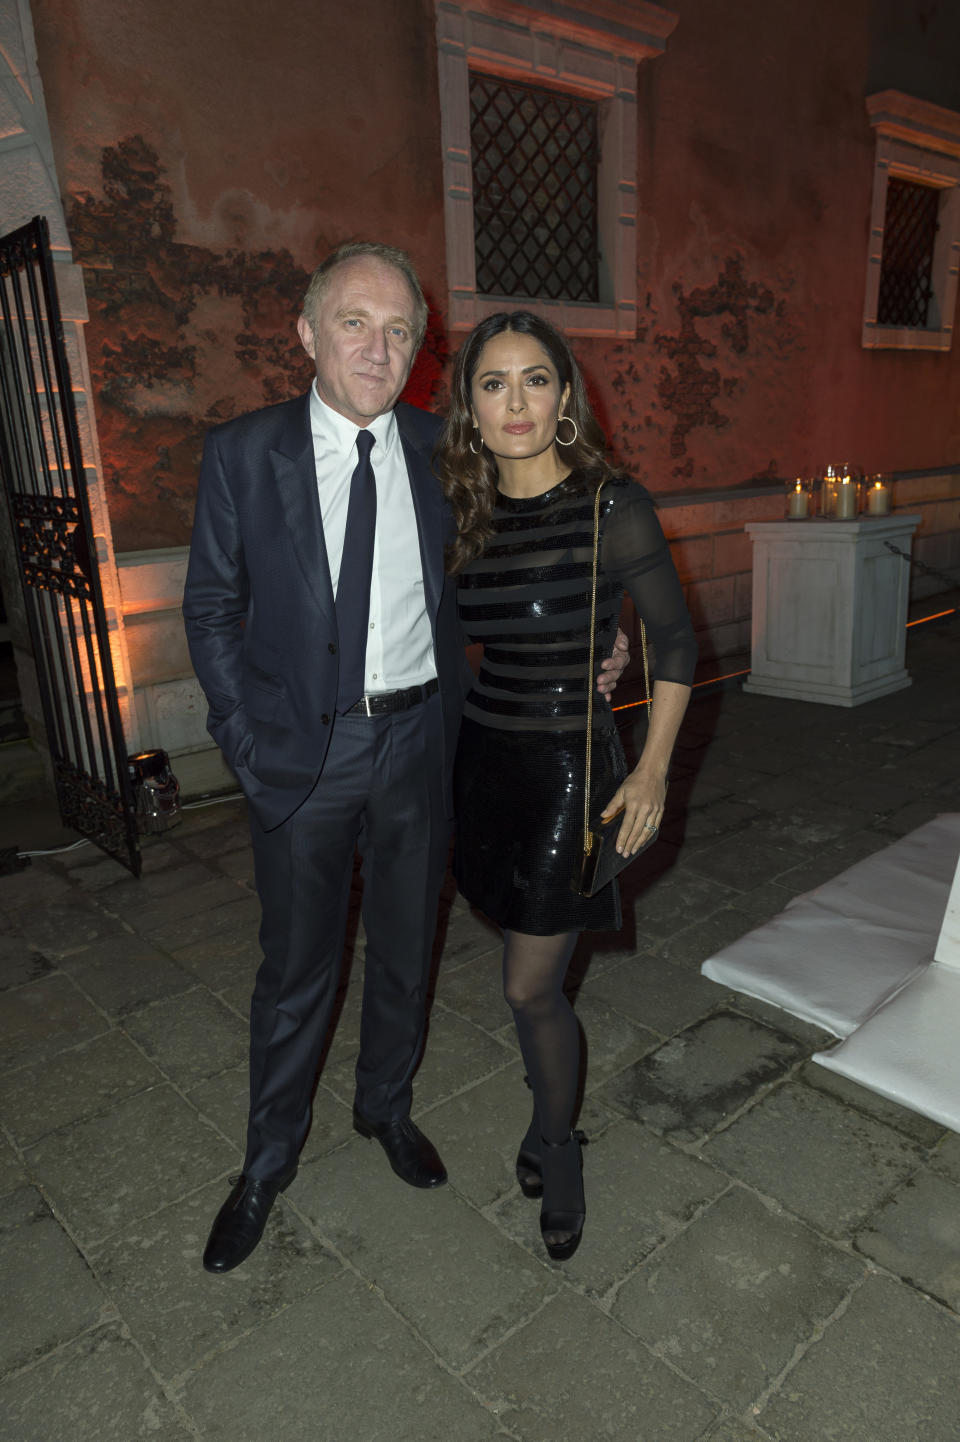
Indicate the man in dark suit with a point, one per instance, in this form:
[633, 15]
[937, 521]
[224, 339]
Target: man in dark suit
[328, 647]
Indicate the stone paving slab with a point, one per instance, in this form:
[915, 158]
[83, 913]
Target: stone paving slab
[459, 1282]
[19, 963]
[659, 908]
[736, 1430]
[825, 1163]
[946, 1158]
[639, 1191]
[811, 1037]
[122, 973]
[610, 1041]
[98, 1389]
[690, 1084]
[238, 865]
[103, 1173]
[656, 994]
[181, 902]
[885, 1371]
[46, 1286]
[752, 860]
[224, 1101]
[43, 1018]
[191, 1037]
[223, 837]
[136, 898]
[229, 916]
[35, 1100]
[177, 1312]
[688, 945]
[225, 959]
[475, 991]
[920, 1129]
[917, 1235]
[463, 935]
[12, 1174]
[66, 927]
[730, 1299]
[33, 889]
[341, 1366]
[572, 1374]
[456, 1055]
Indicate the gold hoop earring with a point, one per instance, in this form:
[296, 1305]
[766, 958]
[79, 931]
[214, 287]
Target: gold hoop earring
[575, 431]
[474, 449]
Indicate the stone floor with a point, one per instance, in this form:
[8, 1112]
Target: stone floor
[770, 1252]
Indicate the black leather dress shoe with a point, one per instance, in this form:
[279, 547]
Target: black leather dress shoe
[240, 1221]
[413, 1157]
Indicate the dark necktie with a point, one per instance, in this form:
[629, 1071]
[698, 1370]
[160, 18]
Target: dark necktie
[356, 573]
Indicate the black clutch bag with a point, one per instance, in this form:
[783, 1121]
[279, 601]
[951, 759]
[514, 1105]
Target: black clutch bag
[601, 861]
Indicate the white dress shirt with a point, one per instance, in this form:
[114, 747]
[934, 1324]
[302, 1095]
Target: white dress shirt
[399, 641]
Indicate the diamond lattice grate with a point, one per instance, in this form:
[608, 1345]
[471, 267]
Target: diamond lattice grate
[906, 269]
[535, 155]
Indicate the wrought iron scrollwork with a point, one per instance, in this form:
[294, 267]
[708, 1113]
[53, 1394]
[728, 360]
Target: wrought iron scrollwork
[42, 469]
[50, 537]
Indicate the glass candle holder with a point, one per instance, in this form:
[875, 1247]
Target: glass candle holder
[828, 491]
[799, 501]
[878, 496]
[841, 493]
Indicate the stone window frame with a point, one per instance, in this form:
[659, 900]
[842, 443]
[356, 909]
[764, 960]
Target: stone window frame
[591, 49]
[920, 142]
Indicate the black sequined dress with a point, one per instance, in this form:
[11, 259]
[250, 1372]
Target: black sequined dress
[520, 761]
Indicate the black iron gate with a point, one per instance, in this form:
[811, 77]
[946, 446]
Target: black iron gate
[46, 492]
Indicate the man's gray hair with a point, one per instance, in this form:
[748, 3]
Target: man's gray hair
[363, 250]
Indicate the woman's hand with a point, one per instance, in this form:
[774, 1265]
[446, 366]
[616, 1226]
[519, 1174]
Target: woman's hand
[612, 667]
[641, 798]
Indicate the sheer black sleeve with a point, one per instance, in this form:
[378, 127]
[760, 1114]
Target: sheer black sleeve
[634, 552]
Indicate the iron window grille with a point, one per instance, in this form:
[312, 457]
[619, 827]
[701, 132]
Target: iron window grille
[535, 154]
[906, 267]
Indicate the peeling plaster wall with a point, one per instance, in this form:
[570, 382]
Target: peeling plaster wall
[210, 155]
[756, 171]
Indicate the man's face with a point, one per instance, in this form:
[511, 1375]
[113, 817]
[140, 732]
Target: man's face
[361, 339]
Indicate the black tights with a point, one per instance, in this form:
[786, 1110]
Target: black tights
[534, 968]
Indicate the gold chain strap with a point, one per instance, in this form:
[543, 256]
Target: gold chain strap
[590, 680]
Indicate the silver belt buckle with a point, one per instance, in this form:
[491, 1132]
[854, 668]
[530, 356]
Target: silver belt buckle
[366, 706]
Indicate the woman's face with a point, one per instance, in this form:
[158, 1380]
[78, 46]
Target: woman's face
[516, 397]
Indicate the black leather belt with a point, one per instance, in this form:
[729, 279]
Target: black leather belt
[388, 701]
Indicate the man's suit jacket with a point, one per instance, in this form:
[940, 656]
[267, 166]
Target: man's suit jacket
[259, 606]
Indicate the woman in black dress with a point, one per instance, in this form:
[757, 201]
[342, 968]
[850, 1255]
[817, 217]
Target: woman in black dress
[520, 460]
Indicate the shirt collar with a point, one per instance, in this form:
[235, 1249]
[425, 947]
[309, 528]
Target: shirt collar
[340, 434]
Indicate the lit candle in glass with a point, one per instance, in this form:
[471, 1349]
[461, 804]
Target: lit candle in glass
[798, 503]
[846, 500]
[878, 498]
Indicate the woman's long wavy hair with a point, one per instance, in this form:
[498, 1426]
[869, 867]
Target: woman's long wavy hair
[469, 480]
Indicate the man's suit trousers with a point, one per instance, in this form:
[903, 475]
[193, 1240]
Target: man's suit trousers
[380, 791]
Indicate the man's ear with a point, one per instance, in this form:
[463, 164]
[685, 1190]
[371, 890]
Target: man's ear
[305, 332]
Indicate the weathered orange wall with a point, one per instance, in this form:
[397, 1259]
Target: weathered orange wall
[756, 175]
[210, 153]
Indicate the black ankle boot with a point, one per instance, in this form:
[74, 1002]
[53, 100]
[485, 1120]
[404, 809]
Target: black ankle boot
[564, 1209]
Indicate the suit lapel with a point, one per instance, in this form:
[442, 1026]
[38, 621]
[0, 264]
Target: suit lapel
[295, 474]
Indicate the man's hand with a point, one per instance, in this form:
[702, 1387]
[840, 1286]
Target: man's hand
[612, 668]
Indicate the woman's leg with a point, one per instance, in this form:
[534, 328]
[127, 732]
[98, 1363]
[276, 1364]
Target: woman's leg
[534, 969]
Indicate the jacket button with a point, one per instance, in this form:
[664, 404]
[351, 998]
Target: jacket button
[331, 648]
[325, 719]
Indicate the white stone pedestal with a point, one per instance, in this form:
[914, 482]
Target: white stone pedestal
[830, 608]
